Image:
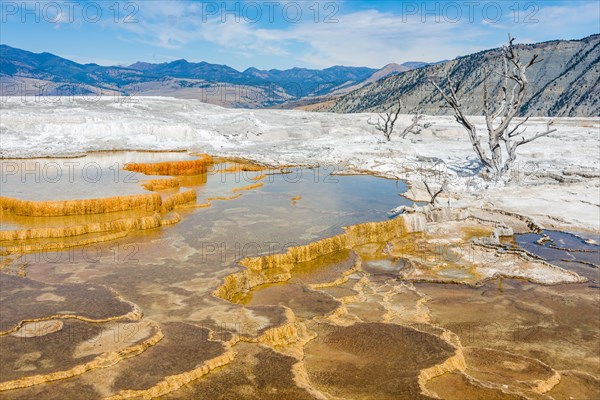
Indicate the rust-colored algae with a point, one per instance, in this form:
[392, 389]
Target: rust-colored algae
[249, 187]
[123, 224]
[152, 203]
[370, 232]
[146, 202]
[156, 205]
[277, 267]
[370, 351]
[161, 184]
[179, 199]
[223, 198]
[429, 232]
[111, 230]
[173, 168]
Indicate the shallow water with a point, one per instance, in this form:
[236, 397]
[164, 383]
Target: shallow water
[567, 250]
[96, 175]
[171, 272]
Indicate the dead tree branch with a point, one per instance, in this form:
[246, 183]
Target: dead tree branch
[385, 123]
[415, 126]
[434, 194]
[498, 118]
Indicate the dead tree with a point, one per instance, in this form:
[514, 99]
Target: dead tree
[434, 194]
[415, 126]
[499, 118]
[385, 123]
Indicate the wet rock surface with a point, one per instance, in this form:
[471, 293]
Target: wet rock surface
[426, 304]
[372, 360]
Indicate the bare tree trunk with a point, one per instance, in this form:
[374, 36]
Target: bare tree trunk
[498, 120]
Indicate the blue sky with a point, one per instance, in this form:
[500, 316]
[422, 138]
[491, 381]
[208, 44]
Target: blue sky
[284, 34]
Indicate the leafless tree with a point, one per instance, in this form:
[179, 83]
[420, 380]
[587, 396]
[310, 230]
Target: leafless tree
[415, 126]
[386, 121]
[434, 193]
[499, 118]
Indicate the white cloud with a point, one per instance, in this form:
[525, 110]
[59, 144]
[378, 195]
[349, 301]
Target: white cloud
[369, 37]
[373, 38]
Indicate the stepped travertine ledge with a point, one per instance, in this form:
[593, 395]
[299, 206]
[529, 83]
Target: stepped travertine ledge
[246, 216]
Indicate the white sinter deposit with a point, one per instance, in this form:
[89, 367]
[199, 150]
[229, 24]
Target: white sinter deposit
[557, 186]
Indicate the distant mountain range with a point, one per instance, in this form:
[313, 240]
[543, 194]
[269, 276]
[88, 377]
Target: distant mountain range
[565, 83]
[220, 84]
